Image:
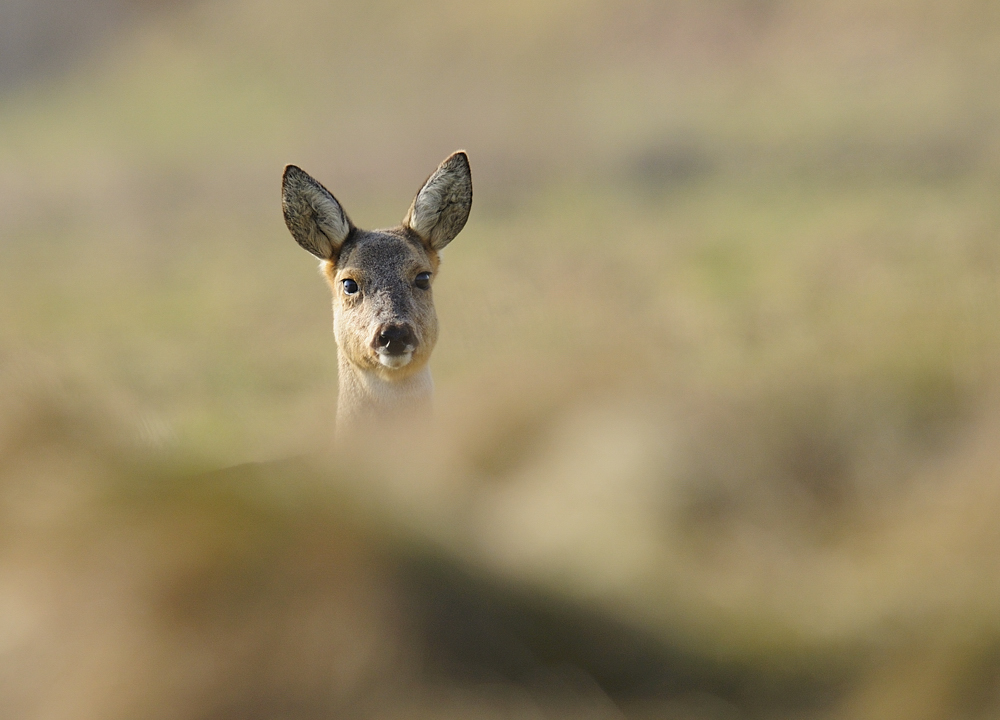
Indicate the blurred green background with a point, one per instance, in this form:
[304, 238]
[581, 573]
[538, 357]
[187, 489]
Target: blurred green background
[719, 343]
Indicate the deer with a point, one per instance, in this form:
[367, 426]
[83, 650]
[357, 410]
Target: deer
[384, 322]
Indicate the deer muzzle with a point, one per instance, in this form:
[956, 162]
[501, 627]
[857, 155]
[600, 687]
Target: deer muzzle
[394, 344]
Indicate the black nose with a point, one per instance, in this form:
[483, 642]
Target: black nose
[396, 339]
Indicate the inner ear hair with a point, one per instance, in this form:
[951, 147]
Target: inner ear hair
[441, 207]
[312, 214]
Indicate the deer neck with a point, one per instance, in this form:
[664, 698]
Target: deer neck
[366, 397]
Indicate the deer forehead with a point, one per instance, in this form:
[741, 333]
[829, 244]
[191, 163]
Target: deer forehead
[383, 258]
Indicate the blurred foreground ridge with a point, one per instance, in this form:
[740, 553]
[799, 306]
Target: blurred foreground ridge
[755, 563]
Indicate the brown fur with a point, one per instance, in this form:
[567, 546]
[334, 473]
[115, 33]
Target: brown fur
[374, 382]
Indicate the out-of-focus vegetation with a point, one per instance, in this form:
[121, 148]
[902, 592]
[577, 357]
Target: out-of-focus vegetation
[717, 380]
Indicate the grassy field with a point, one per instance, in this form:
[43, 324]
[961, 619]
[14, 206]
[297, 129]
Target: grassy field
[717, 381]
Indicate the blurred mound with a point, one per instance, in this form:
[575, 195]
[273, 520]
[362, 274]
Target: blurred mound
[134, 583]
[595, 550]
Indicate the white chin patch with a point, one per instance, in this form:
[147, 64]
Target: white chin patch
[395, 361]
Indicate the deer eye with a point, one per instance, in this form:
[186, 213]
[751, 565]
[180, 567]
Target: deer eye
[351, 287]
[423, 281]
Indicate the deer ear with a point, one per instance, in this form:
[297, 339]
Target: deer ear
[440, 209]
[312, 214]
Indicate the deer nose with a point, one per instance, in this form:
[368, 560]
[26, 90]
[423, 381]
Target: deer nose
[395, 339]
